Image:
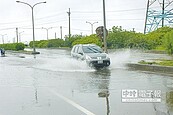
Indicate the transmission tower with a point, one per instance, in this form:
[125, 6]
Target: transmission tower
[159, 14]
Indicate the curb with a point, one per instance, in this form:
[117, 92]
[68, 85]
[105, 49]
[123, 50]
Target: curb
[152, 68]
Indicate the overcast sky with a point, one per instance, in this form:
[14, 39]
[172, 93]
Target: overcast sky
[126, 13]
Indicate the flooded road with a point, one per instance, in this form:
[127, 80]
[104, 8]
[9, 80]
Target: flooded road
[53, 83]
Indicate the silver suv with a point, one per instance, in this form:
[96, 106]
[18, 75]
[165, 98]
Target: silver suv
[92, 54]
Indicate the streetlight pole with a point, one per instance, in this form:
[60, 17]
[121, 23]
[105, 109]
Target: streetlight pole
[47, 30]
[32, 8]
[61, 31]
[91, 25]
[17, 35]
[3, 38]
[20, 36]
[104, 28]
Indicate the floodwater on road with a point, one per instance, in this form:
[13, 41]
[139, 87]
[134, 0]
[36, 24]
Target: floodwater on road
[52, 83]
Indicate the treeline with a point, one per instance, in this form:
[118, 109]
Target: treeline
[48, 43]
[156, 40]
[68, 42]
[161, 39]
[13, 46]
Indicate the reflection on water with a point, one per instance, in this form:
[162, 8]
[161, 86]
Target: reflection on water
[105, 94]
[34, 56]
[166, 105]
[36, 95]
[101, 78]
[169, 98]
[104, 76]
[162, 108]
[35, 85]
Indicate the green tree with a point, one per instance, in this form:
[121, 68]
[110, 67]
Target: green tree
[116, 38]
[13, 46]
[137, 40]
[92, 39]
[69, 41]
[43, 44]
[156, 38]
[55, 43]
[119, 38]
[169, 42]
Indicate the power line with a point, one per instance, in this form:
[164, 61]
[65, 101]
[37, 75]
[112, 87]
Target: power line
[108, 19]
[78, 29]
[7, 28]
[61, 13]
[51, 16]
[41, 18]
[64, 20]
[128, 10]
[25, 27]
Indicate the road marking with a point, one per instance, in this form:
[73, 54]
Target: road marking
[87, 112]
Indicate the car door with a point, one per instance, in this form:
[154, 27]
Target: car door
[80, 54]
[76, 52]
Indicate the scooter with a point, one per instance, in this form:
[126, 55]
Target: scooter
[2, 52]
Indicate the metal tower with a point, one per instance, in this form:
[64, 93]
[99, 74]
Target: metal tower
[159, 13]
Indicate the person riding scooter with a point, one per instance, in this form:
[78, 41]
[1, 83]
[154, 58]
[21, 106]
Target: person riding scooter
[2, 52]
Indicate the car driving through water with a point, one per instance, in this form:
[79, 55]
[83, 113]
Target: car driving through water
[92, 54]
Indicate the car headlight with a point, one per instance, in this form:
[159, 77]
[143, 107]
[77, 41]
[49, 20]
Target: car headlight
[88, 57]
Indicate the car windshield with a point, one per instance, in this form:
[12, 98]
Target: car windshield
[92, 49]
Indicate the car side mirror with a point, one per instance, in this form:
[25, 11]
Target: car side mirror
[80, 53]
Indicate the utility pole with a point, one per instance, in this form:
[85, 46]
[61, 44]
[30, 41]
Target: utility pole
[55, 35]
[3, 38]
[14, 40]
[104, 28]
[163, 11]
[20, 36]
[69, 13]
[17, 35]
[133, 30]
[61, 31]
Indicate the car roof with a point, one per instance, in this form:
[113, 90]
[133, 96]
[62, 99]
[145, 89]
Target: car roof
[85, 45]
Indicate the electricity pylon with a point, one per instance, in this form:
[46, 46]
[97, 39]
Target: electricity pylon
[159, 14]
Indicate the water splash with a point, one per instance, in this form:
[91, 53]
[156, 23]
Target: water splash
[119, 58]
[65, 64]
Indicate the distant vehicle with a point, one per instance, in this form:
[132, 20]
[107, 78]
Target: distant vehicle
[92, 54]
[2, 52]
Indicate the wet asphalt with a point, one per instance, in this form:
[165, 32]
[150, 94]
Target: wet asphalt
[53, 83]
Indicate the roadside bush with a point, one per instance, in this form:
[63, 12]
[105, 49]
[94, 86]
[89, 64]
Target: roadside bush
[55, 43]
[36, 43]
[42, 44]
[92, 39]
[169, 42]
[48, 43]
[20, 46]
[13, 46]
[69, 41]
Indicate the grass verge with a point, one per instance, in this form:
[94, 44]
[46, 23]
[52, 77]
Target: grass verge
[161, 62]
